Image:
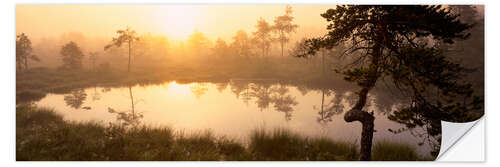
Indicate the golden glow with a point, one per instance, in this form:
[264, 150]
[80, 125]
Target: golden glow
[179, 90]
[178, 21]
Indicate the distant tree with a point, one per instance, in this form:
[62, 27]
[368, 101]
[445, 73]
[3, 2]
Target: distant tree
[24, 52]
[242, 44]
[399, 42]
[93, 59]
[72, 56]
[283, 27]
[124, 36]
[151, 48]
[198, 41]
[221, 49]
[301, 48]
[262, 36]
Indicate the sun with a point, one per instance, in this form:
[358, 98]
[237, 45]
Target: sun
[178, 21]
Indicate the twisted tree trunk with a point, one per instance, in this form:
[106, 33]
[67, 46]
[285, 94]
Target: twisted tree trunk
[357, 113]
[366, 119]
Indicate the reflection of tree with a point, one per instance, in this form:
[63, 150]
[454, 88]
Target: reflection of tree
[246, 95]
[96, 95]
[104, 90]
[199, 89]
[128, 118]
[283, 102]
[262, 95]
[266, 95]
[303, 89]
[237, 87]
[241, 88]
[221, 86]
[76, 98]
[326, 111]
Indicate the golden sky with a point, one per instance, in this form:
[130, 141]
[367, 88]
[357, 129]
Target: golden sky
[177, 22]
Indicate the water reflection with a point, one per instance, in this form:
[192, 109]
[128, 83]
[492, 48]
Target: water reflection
[283, 101]
[262, 95]
[106, 89]
[130, 118]
[221, 86]
[199, 89]
[265, 95]
[326, 111]
[76, 98]
[249, 104]
[96, 95]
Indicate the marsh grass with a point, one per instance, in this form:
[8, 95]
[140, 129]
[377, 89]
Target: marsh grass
[385, 150]
[283, 144]
[41, 134]
[29, 95]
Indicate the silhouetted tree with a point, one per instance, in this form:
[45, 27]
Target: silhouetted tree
[389, 41]
[24, 52]
[262, 37]
[283, 27]
[124, 36]
[72, 56]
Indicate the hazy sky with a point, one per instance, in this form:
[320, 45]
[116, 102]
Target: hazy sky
[177, 22]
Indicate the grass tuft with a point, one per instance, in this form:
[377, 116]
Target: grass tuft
[393, 151]
[282, 144]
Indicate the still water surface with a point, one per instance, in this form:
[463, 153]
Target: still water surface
[230, 109]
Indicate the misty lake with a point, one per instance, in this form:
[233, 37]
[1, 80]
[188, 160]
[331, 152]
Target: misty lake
[231, 109]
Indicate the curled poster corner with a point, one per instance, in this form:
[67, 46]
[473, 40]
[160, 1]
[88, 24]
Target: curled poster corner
[451, 133]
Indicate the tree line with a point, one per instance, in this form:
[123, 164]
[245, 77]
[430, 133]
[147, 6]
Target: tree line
[242, 46]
